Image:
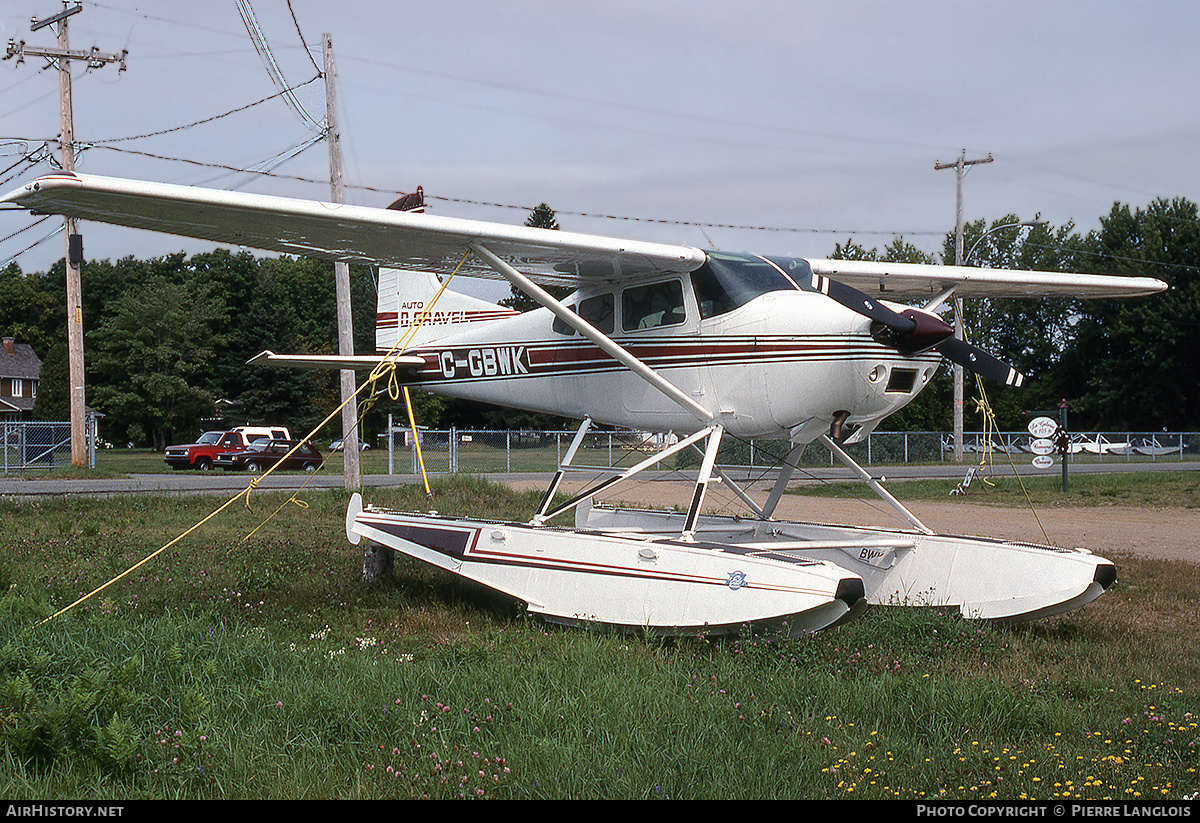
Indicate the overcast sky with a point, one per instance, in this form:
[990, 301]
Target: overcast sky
[813, 121]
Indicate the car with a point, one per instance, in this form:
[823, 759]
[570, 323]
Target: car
[203, 453]
[259, 432]
[263, 454]
[336, 445]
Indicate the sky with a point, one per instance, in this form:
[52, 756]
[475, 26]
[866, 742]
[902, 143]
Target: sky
[771, 127]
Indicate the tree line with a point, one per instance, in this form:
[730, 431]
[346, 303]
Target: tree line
[167, 339]
[1118, 365]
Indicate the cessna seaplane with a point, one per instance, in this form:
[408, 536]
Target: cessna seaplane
[659, 338]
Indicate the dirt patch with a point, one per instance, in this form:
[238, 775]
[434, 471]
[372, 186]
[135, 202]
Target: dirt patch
[1166, 533]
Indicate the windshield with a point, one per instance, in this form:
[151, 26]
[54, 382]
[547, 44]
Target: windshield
[727, 281]
[210, 437]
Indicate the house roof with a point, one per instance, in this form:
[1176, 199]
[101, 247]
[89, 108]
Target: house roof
[19, 404]
[21, 363]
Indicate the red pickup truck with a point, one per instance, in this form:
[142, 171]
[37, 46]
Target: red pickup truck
[203, 453]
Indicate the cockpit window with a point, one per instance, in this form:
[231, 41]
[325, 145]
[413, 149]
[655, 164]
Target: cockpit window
[727, 281]
[797, 270]
[648, 307]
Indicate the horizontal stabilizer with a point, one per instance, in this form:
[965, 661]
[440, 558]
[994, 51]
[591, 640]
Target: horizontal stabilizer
[330, 361]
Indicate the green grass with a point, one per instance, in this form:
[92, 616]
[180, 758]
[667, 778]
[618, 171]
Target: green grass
[265, 668]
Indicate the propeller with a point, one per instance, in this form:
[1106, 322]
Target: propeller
[912, 331]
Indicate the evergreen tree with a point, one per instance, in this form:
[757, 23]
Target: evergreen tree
[53, 400]
[540, 216]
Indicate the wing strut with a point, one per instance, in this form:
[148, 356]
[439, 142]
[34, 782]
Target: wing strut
[628, 473]
[781, 480]
[540, 516]
[706, 469]
[873, 483]
[606, 344]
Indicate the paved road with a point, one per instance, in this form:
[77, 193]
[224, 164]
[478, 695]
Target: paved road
[222, 483]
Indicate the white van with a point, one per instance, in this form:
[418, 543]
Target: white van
[252, 433]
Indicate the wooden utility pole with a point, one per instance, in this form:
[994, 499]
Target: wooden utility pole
[960, 166]
[62, 57]
[341, 276]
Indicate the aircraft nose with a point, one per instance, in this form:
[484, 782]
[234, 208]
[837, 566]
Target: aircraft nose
[928, 331]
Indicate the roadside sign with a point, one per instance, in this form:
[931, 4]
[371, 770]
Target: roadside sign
[1043, 461]
[1042, 446]
[1043, 427]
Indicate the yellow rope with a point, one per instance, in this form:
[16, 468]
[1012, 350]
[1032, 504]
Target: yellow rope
[243, 493]
[989, 426]
[385, 367]
[985, 408]
[412, 424]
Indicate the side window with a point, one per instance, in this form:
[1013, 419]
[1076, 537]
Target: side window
[648, 307]
[598, 311]
[559, 326]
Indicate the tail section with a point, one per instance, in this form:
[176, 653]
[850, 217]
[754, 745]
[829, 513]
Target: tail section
[409, 298]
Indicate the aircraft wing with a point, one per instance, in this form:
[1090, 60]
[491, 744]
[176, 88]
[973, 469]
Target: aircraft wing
[352, 234]
[361, 234]
[908, 281]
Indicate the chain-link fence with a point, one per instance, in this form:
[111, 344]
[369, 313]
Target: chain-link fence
[30, 445]
[34, 445]
[489, 452]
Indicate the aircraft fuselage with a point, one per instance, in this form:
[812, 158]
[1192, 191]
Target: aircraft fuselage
[781, 360]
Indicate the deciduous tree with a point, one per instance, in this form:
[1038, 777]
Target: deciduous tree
[153, 359]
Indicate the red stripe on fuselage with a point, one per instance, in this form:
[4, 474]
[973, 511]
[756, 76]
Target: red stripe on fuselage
[549, 359]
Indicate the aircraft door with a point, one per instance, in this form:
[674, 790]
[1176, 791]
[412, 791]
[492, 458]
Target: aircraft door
[658, 327]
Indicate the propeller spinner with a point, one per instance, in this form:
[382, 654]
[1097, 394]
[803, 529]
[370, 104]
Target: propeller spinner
[913, 331]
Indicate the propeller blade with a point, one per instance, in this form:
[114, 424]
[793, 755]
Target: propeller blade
[913, 331]
[857, 301]
[977, 360]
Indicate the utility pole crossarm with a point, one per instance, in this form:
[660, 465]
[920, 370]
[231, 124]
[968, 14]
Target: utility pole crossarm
[94, 57]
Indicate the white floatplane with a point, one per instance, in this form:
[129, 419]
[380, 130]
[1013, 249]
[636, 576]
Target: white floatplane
[661, 338]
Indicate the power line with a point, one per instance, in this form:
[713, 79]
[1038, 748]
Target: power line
[300, 34]
[206, 120]
[33, 245]
[259, 38]
[396, 192]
